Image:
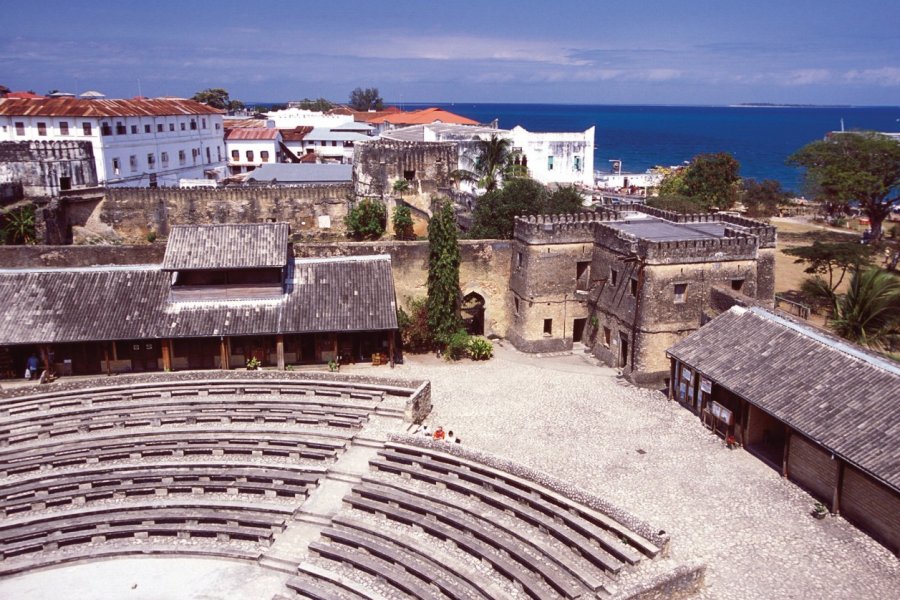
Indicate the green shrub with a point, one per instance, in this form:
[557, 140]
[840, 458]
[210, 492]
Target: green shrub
[366, 220]
[151, 236]
[457, 345]
[414, 331]
[480, 348]
[403, 223]
[253, 364]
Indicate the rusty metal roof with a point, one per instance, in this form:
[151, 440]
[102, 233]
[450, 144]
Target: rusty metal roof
[235, 123]
[252, 134]
[76, 107]
[297, 134]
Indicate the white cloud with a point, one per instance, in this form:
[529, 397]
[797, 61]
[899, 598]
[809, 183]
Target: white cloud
[807, 76]
[885, 76]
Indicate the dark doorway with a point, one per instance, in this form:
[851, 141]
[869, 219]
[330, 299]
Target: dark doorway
[578, 329]
[766, 437]
[472, 310]
[144, 355]
[65, 183]
[623, 350]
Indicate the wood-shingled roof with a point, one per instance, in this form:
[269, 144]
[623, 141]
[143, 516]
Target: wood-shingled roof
[830, 391]
[230, 246]
[121, 303]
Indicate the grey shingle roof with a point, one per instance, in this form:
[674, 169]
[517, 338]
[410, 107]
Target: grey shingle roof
[110, 303]
[834, 393]
[302, 173]
[232, 246]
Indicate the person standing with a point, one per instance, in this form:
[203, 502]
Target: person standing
[33, 364]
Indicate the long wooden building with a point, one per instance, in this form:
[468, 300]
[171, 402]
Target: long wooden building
[224, 294]
[824, 412]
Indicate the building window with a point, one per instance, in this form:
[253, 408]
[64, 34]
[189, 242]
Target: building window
[171, 126]
[20, 128]
[105, 129]
[334, 142]
[194, 154]
[548, 327]
[134, 130]
[613, 277]
[42, 128]
[151, 160]
[607, 336]
[520, 260]
[86, 128]
[208, 159]
[120, 128]
[409, 175]
[249, 155]
[737, 284]
[578, 164]
[680, 293]
[264, 155]
[159, 128]
[203, 123]
[181, 157]
[634, 287]
[146, 129]
[218, 126]
[183, 127]
[219, 152]
[164, 159]
[235, 155]
[550, 163]
[516, 301]
[132, 162]
[63, 128]
[193, 124]
[117, 166]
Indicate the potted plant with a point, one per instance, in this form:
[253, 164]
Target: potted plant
[731, 442]
[820, 511]
[253, 364]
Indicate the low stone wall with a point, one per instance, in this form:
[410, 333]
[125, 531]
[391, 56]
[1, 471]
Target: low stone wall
[30, 257]
[682, 582]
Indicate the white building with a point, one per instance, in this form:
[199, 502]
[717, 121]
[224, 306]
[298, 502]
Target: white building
[137, 142]
[329, 145]
[290, 118]
[555, 157]
[249, 148]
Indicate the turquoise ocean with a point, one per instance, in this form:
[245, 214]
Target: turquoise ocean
[761, 138]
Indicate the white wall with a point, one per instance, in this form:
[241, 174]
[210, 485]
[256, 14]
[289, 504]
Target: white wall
[562, 157]
[255, 146]
[296, 117]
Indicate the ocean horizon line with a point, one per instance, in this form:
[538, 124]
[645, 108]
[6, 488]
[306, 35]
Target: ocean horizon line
[652, 105]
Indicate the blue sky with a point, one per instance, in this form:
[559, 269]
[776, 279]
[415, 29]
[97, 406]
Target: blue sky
[592, 52]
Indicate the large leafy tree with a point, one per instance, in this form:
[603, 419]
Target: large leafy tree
[495, 212]
[317, 105]
[858, 166]
[403, 223]
[713, 179]
[366, 99]
[366, 220]
[870, 310]
[762, 198]
[217, 98]
[443, 274]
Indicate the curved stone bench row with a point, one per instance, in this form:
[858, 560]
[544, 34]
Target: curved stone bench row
[442, 467]
[35, 426]
[146, 391]
[121, 445]
[84, 486]
[50, 531]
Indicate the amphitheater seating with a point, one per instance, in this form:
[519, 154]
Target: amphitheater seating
[159, 479]
[167, 442]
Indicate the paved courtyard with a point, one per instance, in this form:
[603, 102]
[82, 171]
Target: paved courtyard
[727, 509]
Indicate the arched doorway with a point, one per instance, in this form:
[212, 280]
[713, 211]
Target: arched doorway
[472, 310]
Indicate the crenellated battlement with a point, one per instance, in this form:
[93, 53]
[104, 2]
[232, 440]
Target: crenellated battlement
[735, 245]
[766, 233]
[560, 229]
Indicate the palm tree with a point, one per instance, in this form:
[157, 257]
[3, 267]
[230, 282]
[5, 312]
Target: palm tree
[870, 310]
[494, 162]
[401, 186]
[18, 225]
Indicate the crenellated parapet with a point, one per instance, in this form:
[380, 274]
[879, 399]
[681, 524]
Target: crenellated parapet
[560, 229]
[735, 245]
[765, 232]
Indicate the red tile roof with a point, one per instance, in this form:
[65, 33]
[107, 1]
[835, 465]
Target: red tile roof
[296, 134]
[252, 134]
[75, 107]
[423, 117]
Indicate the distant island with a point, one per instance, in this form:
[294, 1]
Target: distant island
[774, 105]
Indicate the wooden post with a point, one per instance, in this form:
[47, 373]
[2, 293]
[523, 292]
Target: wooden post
[391, 347]
[279, 351]
[671, 394]
[115, 355]
[166, 356]
[223, 355]
[746, 423]
[106, 360]
[838, 484]
[787, 453]
[335, 337]
[45, 357]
